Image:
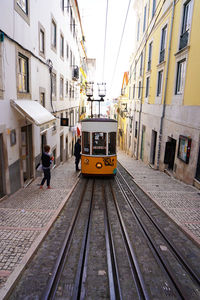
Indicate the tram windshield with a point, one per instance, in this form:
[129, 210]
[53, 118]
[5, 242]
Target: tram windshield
[86, 143]
[111, 143]
[99, 143]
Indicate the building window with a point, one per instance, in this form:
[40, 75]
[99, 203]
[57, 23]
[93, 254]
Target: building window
[62, 5]
[180, 77]
[67, 51]
[53, 34]
[68, 5]
[74, 28]
[147, 87]
[41, 41]
[23, 76]
[67, 87]
[163, 44]
[145, 15]
[71, 58]
[136, 128]
[61, 87]
[42, 99]
[61, 46]
[22, 7]
[186, 24]
[23, 4]
[135, 70]
[159, 85]
[71, 19]
[53, 85]
[133, 91]
[139, 90]
[138, 30]
[149, 57]
[141, 63]
[153, 7]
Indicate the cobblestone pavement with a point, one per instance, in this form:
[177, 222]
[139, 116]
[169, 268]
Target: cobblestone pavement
[25, 218]
[180, 201]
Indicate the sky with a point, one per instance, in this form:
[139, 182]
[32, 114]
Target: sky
[93, 17]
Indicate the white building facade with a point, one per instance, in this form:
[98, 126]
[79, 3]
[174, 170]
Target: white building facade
[41, 49]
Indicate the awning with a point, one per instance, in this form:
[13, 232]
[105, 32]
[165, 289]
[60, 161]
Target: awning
[33, 111]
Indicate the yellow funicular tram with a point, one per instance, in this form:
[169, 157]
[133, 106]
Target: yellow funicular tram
[98, 155]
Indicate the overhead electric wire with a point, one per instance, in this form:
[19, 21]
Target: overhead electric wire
[104, 54]
[120, 42]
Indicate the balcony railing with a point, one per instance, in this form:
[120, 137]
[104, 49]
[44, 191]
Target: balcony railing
[183, 40]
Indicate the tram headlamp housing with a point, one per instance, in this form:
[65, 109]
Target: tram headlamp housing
[99, 165]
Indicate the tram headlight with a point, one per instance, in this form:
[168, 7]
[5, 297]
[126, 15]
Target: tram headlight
[99, 165]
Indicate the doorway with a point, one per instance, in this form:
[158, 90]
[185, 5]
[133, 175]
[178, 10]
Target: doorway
[142, 143]
[2, 170]
[43, 141]
[153, 146]
[26, 152]
[66, 147]
[198, 167]
[61, 148]
[170, 150]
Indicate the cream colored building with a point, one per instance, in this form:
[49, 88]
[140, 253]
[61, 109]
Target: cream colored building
[165, 90]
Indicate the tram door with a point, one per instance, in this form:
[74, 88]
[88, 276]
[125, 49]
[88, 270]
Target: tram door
[2, 179]
[26, 152]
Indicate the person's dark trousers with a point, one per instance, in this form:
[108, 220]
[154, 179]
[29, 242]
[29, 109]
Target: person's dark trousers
[47, 176]
[77, 162]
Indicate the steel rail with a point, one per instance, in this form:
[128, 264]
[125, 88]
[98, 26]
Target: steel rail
[182, 259]
[50, 290]
[113, 274]
[79, 289]
[135, 268]
[156, 251]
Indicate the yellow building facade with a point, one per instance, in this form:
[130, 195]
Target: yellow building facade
[165, 90]
[122, 110]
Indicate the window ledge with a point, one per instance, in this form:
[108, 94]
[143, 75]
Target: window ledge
[183, 51]
[160, 65]
[23, 95]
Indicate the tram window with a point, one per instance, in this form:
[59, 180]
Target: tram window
[99, 143]
[86, 143]
[112, 143]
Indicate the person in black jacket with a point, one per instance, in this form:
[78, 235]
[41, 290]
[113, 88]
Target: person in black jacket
[46, 163]
[77, 153]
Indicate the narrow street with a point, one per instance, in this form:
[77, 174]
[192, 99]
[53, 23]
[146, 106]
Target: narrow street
[107, 262]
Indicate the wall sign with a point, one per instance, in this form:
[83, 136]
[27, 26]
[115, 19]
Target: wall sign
[184, 148]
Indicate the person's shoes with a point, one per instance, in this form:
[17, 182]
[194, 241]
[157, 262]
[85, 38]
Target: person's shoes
[49, 188]
[78, 169]
[41, 187]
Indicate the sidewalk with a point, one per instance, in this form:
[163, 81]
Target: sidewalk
[26, 217]
[180, 201]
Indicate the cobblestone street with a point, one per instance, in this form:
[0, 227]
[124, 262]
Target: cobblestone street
[27, 215]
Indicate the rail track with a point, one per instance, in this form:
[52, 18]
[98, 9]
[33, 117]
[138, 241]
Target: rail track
[118, 245]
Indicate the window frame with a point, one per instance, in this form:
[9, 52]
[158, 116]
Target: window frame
[53, 38]
[185, 33]
[24, 14]
[54, 85]
[21, 74]
[41, 29]
[159, 83]
[163, 42]
[180, 76]
[61, 85]
[147, 86]
[62, 43]
[149, 56]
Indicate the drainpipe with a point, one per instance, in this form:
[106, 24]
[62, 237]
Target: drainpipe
[165, 91]
[142, 85]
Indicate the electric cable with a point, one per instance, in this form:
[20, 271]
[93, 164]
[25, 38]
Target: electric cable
[104, 54]
[120, 43]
